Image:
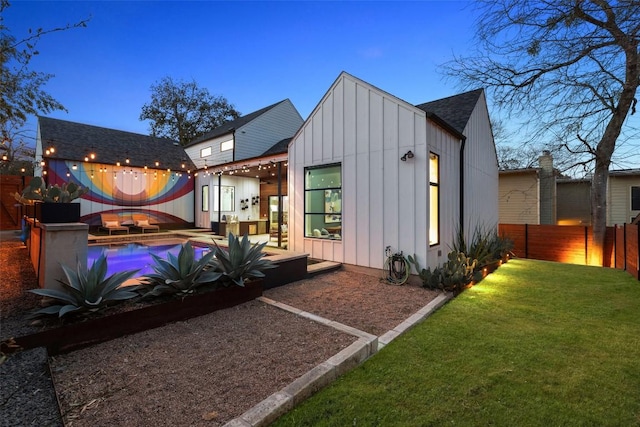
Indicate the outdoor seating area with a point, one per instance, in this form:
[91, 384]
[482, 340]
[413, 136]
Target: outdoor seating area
[142, 222]
[111, 223]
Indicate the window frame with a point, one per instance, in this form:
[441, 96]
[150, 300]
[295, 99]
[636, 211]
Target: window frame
[323, 190]
[436, 185]
[636, 198]
[207, 150]
[231, 144]
[205, 198]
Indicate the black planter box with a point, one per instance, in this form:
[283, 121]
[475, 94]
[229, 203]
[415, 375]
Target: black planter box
[56, 213]
[74, 336]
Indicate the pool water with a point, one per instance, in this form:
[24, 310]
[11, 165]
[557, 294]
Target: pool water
[132, 256]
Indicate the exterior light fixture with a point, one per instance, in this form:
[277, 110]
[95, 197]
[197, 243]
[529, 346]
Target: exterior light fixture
[407, 155]
[42, 162]
[157, 163]
[4, 158]
[92, 155]
[118, 164]
[74, 167]
[86, 158]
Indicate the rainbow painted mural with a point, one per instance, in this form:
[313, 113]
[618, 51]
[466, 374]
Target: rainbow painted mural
[167, 197]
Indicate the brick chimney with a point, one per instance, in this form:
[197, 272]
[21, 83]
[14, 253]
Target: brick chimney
[547, 189]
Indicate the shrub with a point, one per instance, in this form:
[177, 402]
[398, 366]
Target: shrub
[485, 247]
[241, 262]
[87, 289]
[456, 273]
[180, 275]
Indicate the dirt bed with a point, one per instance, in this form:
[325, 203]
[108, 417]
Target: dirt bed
[209, 370]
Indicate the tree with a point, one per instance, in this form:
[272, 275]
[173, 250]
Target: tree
[182, 111]
[572, 67]
[21, 89]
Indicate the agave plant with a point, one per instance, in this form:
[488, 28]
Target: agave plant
[242, 261]
[180, 275]
[87, 289]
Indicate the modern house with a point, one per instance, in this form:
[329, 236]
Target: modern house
[540, 196]
[243, 170]
[368, 171]
[126, 173]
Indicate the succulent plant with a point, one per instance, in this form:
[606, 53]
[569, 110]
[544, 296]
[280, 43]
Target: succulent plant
[87, 289]
[241, 262]
[38, 191]
[452, 276]
[180, 275]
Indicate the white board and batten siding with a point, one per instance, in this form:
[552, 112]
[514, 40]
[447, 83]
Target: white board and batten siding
[385, 201]
[480, 172]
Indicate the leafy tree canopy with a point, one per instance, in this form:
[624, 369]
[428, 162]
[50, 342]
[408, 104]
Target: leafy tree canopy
[182, 111]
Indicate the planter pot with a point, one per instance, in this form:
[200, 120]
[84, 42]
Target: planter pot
[54, 213]
[78, 335]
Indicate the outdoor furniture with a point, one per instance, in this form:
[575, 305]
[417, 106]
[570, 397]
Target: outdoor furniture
[273, 232]
[111, 223]
[141, 222]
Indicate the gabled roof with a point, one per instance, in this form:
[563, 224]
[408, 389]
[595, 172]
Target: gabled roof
[454, 110]
[279, 147]
[229, 127]
[74, 141]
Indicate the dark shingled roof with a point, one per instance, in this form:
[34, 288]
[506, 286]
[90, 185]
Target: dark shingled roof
[455, 110]
[73, 141]
[233, 125]
[279, 147]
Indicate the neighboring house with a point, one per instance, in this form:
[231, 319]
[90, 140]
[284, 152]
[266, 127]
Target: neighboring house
[528, 196]
[241, 164]
[623, 196]
[125, 173]
[370, 171]
[573, 201]
[526, 199]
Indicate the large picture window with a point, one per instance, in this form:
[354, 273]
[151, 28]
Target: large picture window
[434, 199]
[323, 202]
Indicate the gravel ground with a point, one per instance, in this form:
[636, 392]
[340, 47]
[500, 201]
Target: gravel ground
[204, 371]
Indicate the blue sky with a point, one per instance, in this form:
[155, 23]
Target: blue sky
[253, 53]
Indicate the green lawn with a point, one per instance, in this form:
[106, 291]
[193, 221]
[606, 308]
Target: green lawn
[534, 344]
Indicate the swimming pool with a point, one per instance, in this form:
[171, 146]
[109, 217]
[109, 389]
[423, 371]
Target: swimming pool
[132, 256]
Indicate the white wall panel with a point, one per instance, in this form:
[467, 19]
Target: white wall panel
[385, 200]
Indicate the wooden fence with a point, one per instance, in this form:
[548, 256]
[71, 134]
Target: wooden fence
[572, 244]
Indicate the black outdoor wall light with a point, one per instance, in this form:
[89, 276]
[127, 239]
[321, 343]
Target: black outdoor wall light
[407, 155]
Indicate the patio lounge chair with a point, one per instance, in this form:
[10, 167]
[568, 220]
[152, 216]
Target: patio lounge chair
[111, 223]
[141, 222]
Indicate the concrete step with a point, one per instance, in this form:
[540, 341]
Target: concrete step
[322, 267]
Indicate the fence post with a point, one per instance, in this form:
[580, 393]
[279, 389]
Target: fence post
[624, 238]
[586, 246]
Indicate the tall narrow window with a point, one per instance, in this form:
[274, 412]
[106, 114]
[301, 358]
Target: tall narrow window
[205, 198]
[434, 199]
[323, 202]
[635, 198]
